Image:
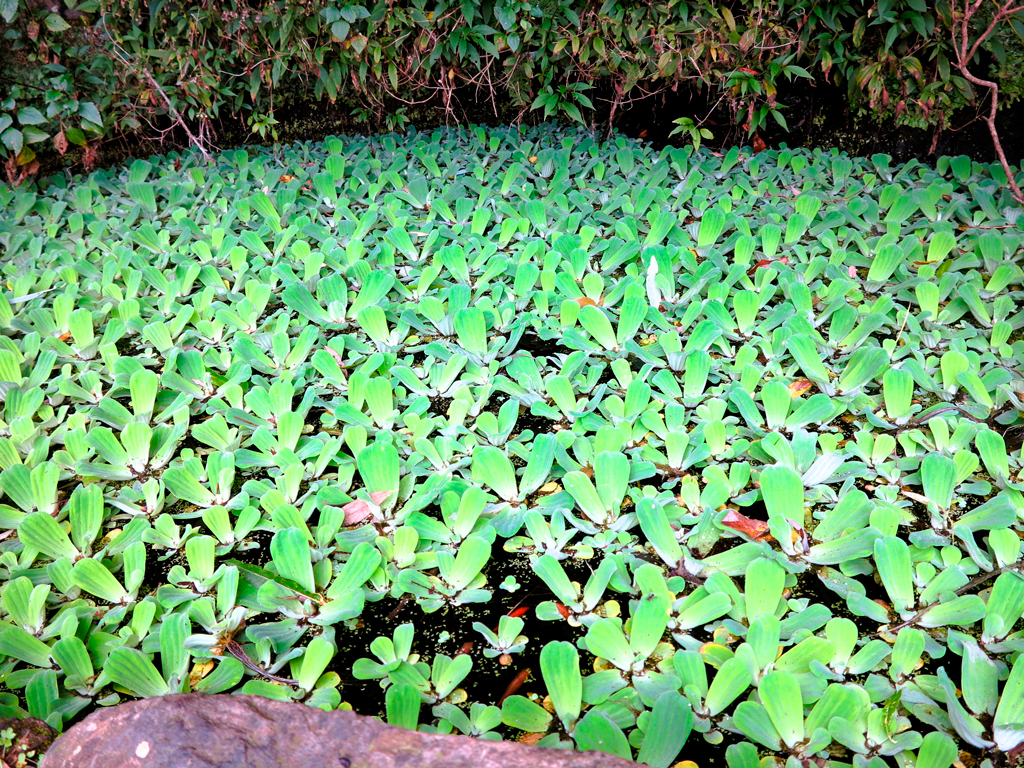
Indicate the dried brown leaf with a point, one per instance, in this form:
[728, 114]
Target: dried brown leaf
[754, 529]
[799, 386]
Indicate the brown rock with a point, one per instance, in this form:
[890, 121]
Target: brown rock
[194, 730]
[31, 737]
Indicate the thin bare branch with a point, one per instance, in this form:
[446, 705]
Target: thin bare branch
[964, 54]
[196, 142]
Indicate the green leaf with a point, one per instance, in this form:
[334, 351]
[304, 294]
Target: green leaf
[471, 329]
[863, 366]
[361, 564]
[888, 258]
[30, 116]
[583, 491]
[12, 139]
[606, 640]
[263, 574]
[596, 731]
[938, 477]
[56, 23]
[611, 473]
[132, 669]
[492, 468]
[805, 352]
[937, 750]
[538, 468]
[800, 657]
[551, 573]
[402, 702]
[93, 577]
[940, 245]
[289, 550]
[560, 668]
[906, 653]
[783, 492]
[742, 755]
[75, 136]
[843, 701]
[448, 673]
[1008, 725]
[648, 623]
[712, 224]
[522, 714]
[339, 30]
[597, 324]
[73, 659]
[631, 316]
[898, 392]
[315, 658]
[19, 644]
[731, 680]
[668, 729]
[706, 609]
[654, 523]
[765, 580]
[892, 558]
[226, 676]
[8, 9]
[174, 630]
[753, 722]
[86, 514]
[780, 695]
[992, 447]
[1006, 601]
[378, 465]
[40, 531]
[184, 485]
[88, 111]
[960, 611]
[979, 679]
[470, 559]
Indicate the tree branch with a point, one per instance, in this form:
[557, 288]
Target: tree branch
[193, 139]
[964, 55]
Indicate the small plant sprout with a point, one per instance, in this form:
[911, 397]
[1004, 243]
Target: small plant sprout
[506, 640]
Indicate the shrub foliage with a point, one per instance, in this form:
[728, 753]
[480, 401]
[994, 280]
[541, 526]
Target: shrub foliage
[106, 67]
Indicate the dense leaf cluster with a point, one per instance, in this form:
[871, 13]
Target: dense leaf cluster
[773, 401]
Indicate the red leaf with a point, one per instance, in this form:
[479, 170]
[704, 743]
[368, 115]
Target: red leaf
[358, 510]
[754, 529]
[379, 497]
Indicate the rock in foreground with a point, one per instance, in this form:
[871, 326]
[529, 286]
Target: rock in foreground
[201, 731]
